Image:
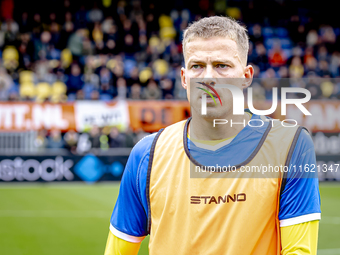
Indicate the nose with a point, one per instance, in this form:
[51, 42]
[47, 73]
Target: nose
[209, 81]
[209, 72]
[209, 76]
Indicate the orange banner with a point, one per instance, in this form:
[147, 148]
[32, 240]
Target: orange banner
[325, 116]
[154, 115]
[147, 115]
[32, 116]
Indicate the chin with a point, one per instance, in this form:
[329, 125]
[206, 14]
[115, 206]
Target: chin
[215, 113]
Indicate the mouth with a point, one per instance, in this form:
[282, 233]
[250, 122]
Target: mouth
[212, 93]
[210, 101]
[208, 96]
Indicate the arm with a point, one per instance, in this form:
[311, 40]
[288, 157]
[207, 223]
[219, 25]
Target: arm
[300, 202]
[128, 224]
[117, 246]
[300, 239]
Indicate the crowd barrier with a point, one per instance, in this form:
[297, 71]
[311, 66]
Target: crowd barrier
[323, 124]
[88, 168]
[150, 115]
[97, 168]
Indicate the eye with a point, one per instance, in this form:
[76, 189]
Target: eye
[195, 66]
[223, 66]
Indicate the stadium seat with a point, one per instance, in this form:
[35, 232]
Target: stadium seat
[44, 91]
[58, 93]
[10, 57]
[26, 76]
[111, 64]
[66, 58]
[167, 33]
[14, 89]
[27, 90]
[165, 21]
[59, 88]
[327, 88]
[88, 88]
[54, 63]
[288, 52]
[268, 32]
[286, 43]
[269, 42]
[105, 97]
[156, 43]
[129, 64]
[145, 75]
[161, 67]
[234, 12]
[281, 32]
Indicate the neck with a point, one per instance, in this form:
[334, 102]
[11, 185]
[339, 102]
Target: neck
[203, 129]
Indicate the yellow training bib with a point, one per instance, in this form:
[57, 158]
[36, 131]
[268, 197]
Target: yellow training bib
[220, 216]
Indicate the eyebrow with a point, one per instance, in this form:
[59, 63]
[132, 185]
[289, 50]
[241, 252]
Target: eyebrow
[223, 61]
[195, 61]
[215, 61]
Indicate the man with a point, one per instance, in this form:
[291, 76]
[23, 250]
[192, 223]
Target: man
[230, 214]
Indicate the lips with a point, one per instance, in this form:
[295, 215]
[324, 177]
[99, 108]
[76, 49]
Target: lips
[214, 93]
[211, 93]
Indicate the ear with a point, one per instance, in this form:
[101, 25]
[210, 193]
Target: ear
[183, 78]
[248, 75]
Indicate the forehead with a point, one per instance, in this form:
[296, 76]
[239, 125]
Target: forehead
[215, 46]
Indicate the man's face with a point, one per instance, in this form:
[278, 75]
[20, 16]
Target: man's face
[211, 60]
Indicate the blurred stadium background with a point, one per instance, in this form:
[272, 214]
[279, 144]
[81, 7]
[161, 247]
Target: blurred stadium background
[82, 81]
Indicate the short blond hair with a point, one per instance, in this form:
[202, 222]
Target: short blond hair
[217, 26]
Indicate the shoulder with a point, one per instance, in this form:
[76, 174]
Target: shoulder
[304, 142]
[283, 128]
[173, 131]
[142, 149]
[143, 146]
[178, 125]
[138, 153]
[137, 164]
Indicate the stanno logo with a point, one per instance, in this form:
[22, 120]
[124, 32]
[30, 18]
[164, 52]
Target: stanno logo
[240, 197]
